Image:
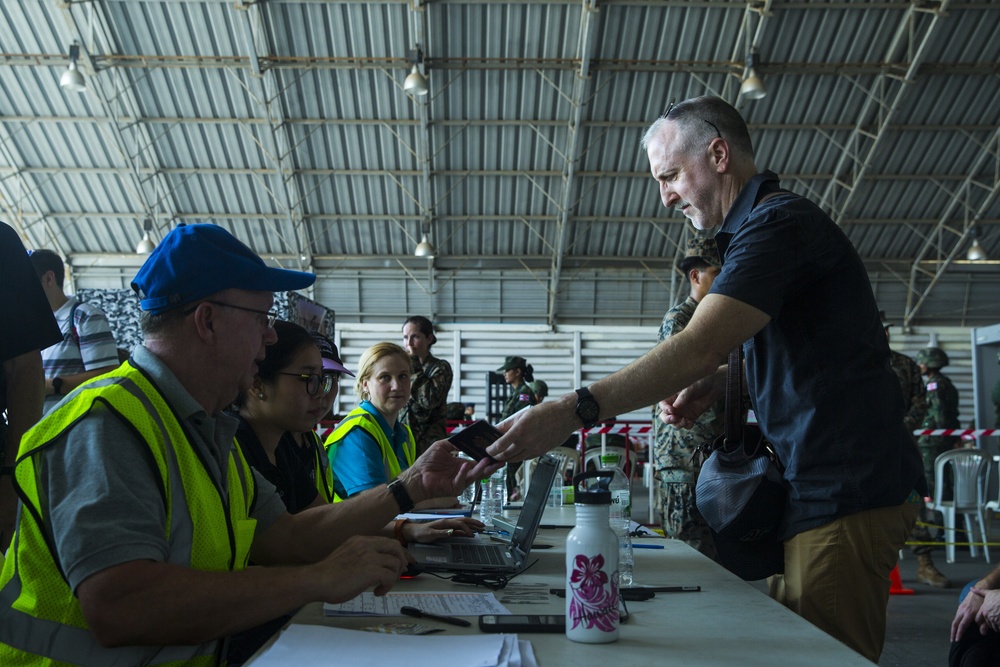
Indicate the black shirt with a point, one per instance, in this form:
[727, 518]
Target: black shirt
[290, 476]
[818, 374]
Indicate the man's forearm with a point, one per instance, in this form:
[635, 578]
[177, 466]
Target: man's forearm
[161, 604]
[991, 581]
[320, 530]
[147, 603]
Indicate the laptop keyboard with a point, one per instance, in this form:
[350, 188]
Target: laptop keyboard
[476, 554]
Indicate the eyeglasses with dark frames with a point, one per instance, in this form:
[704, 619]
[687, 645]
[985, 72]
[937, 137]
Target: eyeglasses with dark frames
[670, 107]
[322, 384]
[271, 317]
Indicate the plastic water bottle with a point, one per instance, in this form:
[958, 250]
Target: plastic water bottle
[468, 493]
[491, 500]
[620, 517]
[592, 613]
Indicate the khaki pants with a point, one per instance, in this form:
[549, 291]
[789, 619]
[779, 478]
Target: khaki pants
[837, 575]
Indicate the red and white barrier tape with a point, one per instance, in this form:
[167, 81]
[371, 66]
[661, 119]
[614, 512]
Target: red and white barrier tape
[972, 433]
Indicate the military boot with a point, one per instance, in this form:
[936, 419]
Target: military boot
[928, 574]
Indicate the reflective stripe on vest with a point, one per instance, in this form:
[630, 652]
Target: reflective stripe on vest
[323, 470]
[39, 615]
[363, 419]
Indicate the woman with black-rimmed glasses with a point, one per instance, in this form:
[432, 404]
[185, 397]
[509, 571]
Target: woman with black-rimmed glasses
[288, 395]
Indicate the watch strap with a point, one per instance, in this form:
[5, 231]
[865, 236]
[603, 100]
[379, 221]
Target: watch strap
[400, 494]
[585, 399]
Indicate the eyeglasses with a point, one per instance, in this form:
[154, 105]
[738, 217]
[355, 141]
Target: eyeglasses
[271, 317]
[670, 106]
[322, 384]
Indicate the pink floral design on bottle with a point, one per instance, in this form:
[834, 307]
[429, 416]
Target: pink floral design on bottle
[594, 602]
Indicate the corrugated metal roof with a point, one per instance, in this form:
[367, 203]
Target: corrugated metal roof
[320, 155]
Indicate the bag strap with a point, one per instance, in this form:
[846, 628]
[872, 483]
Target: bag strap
[734, 398]
[734, 377]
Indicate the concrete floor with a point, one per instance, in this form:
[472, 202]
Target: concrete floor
[917, 625]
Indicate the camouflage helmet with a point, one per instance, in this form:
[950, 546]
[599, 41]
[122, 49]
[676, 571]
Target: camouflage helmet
[704, 249]
[539, 388]
[932, 357]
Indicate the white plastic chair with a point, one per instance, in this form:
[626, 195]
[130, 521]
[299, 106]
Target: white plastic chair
[568, 459]
[969, 467]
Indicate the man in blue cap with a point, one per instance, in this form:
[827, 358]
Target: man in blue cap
[139, 513]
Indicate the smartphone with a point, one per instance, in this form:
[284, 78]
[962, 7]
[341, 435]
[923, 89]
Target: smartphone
[474, 439]
[522, 623]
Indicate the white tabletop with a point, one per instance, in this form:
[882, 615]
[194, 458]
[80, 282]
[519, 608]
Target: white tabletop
[728, 623]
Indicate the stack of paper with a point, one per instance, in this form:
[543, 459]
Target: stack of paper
[445, 604]
[307, 645]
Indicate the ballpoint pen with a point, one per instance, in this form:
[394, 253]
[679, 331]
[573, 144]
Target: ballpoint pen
[419, 613]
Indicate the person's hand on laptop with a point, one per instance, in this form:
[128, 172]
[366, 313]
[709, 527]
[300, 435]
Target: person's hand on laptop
[358, 565]
[436, 530]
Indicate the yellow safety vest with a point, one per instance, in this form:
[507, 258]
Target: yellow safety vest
[323, 469]
[40, 619]
[360, 418]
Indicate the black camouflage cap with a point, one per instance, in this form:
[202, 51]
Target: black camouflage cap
[510, 363]
[704, 248]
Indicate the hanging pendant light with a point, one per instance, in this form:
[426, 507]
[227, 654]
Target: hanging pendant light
[752, 87]
[72, 79]
[976, 252]
[416, 83]
[146, 245]
[424, 248]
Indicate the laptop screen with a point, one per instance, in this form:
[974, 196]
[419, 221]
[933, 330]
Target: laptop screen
[534, 503]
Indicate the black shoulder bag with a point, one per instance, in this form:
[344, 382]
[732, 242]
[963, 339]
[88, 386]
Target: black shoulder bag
[740, 491]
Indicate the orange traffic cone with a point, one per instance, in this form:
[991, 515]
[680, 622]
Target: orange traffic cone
[896, 585]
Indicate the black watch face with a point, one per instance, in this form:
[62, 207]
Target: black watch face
[587, 410]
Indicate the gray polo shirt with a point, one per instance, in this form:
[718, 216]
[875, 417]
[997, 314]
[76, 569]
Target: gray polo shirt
[102, 487]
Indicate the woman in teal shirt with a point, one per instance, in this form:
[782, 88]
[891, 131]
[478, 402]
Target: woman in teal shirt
[371, 446]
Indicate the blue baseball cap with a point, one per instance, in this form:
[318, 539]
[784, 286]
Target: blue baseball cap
[195, 261]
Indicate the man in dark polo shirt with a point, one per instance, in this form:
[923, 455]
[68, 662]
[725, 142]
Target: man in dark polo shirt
[795, 294]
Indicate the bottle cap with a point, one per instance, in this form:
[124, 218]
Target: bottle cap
[595, 489]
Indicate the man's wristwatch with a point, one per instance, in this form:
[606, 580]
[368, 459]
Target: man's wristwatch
[402, 497]
[57, 384]
[586, 408]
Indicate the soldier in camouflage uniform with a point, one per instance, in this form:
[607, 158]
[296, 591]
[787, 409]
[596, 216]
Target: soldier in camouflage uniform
[517, 373]
[425, 411]
[914, 392]
[673, 447]
[942, 409]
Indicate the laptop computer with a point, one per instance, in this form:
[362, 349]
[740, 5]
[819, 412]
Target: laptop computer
[479, 555]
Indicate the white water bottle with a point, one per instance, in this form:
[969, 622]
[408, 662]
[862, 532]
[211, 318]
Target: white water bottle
[592, 614]
[620, 517]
